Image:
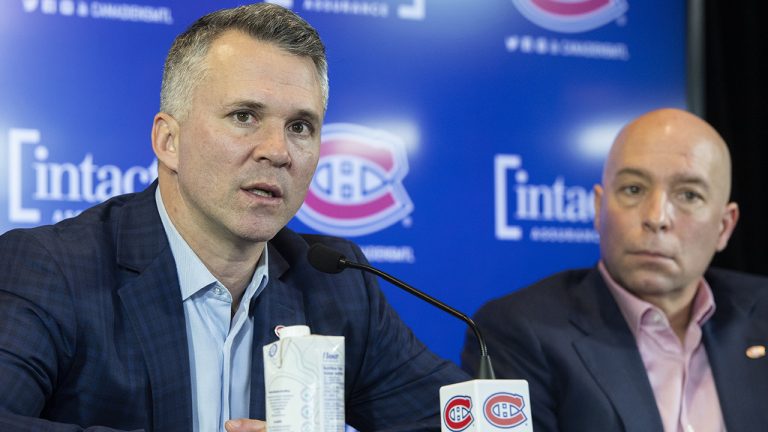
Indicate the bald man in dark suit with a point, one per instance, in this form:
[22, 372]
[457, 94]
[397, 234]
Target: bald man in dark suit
[651, 339]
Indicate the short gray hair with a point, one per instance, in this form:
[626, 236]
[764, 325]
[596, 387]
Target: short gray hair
[266, 22]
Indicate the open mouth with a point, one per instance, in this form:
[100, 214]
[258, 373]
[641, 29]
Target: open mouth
[262, 192]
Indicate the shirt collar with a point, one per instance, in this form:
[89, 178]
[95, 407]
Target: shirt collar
[634, 309]
[193, 274]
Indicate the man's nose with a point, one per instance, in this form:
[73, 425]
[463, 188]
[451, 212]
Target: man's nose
[657, 215]
[272, 146]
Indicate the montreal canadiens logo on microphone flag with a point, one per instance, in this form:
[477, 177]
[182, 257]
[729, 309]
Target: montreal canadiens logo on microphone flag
[571, 16]
[357, 188]
[505, 410]
[458, 413]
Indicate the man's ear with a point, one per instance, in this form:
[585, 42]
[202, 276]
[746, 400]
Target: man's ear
[165, 140]
[727, 224]
[598, 204]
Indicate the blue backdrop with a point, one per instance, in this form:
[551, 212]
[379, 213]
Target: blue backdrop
[461, 142]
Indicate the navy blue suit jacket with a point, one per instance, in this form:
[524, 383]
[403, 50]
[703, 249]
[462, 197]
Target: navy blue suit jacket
[92, 330]
[566, 336]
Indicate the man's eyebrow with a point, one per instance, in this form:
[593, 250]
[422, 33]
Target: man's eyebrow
[633, 172]
[259, 107]
[246, 104]
[690, 179]
[681, 178]
[310, 115]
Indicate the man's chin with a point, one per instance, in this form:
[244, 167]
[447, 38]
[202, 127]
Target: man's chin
[259, 237]
[256, 234]
[649, 284]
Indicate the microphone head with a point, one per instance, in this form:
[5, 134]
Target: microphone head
[325, 259]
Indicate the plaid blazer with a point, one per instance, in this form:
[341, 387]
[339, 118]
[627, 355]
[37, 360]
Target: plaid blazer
[92, 331]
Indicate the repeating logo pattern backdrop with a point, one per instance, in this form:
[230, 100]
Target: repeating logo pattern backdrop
[460, 147]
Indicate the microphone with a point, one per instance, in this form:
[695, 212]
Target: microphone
[328, 260]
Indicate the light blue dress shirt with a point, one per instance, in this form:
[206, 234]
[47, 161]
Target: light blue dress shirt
[219, 344]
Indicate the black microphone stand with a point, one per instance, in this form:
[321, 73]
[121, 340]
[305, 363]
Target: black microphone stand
[485, 370]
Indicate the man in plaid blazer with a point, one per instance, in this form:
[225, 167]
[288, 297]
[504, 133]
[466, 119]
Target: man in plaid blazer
[99, 328]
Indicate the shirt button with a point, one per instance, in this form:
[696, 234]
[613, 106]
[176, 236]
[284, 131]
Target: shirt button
[657, 319]
[218, 291]
[689, 428]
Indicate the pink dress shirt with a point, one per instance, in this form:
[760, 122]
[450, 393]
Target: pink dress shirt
[679, 373]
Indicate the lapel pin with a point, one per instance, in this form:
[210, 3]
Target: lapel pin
[756, 351]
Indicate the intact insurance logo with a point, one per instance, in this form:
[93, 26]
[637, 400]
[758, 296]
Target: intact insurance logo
[43, 190]
[543, 210]
[358, 186]
[571, 16]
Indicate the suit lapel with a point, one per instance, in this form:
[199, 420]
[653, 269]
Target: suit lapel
[149, 291]
[741, 381]
[280, 303]
[609, 352]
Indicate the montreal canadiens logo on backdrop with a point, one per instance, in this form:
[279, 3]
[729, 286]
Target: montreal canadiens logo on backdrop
[357, 188]
[457, 414]
[505, 410]
[571, 16]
